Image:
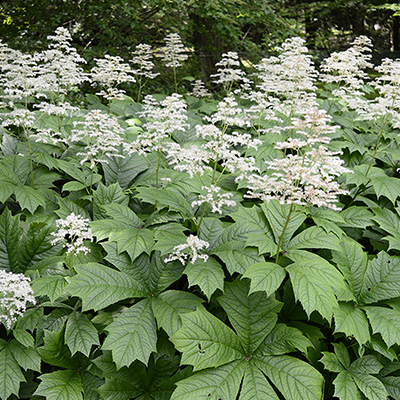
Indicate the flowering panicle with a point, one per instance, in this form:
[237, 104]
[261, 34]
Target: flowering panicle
[199, 90]
[228, 71]
[141, 57]
[110, 72]
[72, 231]
[215, 199]
[189, 250]
[162, 119]
[173, 52]
[102, 135]
[15, 294]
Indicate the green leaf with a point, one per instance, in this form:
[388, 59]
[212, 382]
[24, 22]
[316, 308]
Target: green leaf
[387, 220]
[284, 339]
[236, 256]
[60, 385]
[99, 286]
[10, 374]
[133, 336]
[357, 217]
[252, 316]
[352, 262]
[342, 354]
[134, 241]
[265, 276]
[73, 186]
[67, 206]
[382, 279]
[80, 334]
[173, 200]
[105, 195]
[294, 378]
[392, 385]
[277, 215]
[314, 280]
[10, 233]
[264, 243]
[385, 321]
[205, 341]
[366, 365]
[208, 275]
[345, 388]
[352, 321]
[23, 337]
[386, 186]
[27, 358]
[219, 383]
[168, 236]
[255, 386]
[314, 238]
[29, 198]
[123, 170]
[169, 305]
[52, 286]
[331, 362]
[371, 387]
[6, 190]
[54, 352]
[211, 230]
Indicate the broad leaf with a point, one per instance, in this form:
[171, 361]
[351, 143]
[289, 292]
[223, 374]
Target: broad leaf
[80, 334]
[29, 198]
[10, 233]
[314, 238]
[345, 388]
[386, 186]
[208, 275]
[205, 341]
[294, 378]
[10, 374]
[133, 336]
[52, 286]
[99, 286]
[370, 386]
[252, 316]
[265, 276]
[217, 383]
[169, 305]
[104, 195]
[352, 321]
[61, 385]
[385, 321]
[27, 358]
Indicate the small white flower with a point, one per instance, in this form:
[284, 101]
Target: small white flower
[173, 52]
[189, 250]
[15, 293]
[72, 231]
[215, 199]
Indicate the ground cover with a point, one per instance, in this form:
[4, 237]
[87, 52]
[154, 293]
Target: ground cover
[188, 246]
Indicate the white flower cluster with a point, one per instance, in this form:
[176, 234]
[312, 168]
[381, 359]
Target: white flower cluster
[15, 293]
[189, 250]
[101, 133]
[72, 231]
[228, 71]
[215, 199]
[162, 119]
[110, 72]
[173, 52]
[199, 90]
[141, 57]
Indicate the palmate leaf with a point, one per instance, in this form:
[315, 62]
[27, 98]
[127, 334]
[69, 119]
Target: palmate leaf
[169, 305]
[27, 358]
[345, 388]
[265, 276]
[133, 336]
[10, 374]
[386, 186]
[80, 334]
[314, 238]
[392, 385]
[252, 316]
[208, 275]
[294, 378]
[61, 385]
[385, 321]
[10, 233]
[236, 256]
[352, 321]
[314, 280]
[134, 241]
[211, 230]
[382, 279]
[205, 341]
[52, 286]
[218, 383]
[105, 195]
[29, 198]
[99, 286]
[352, 262]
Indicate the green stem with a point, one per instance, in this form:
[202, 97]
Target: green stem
[30, 159]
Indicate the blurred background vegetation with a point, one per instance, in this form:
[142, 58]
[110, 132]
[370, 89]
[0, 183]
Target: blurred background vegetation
[208, 28]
